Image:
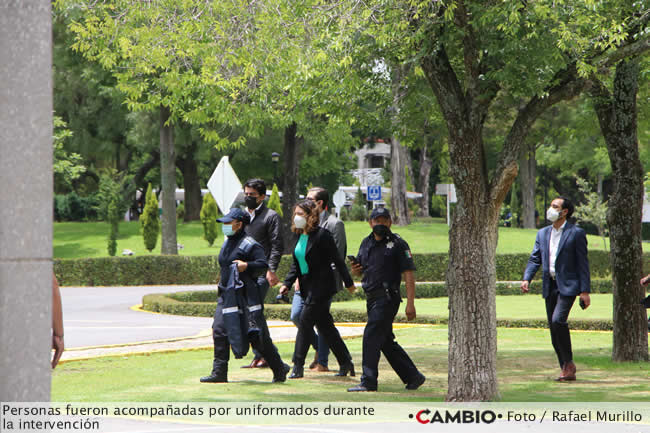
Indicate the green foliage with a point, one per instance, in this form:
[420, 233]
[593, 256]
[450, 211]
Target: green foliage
[438, 205]
[149, 220]
[358, 210]
[593, 210]
[68, 166]
[137, 270]
[113, 199]
[180, 211]
[113, 220]
[209, 218]
[72, 207]
[274, 201]
[203, 304]
[142, 270]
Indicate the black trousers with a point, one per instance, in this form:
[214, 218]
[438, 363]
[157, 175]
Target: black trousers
[558, 307]
[264, 345]
[318, 313]
[263, 285]
[378, 338]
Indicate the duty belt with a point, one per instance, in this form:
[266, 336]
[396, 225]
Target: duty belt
[382, 292]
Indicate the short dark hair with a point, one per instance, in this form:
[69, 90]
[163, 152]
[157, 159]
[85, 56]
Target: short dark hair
[257, 184]
[321, 194]
[567, 204]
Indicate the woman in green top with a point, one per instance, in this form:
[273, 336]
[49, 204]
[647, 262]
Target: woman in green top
[315, 259]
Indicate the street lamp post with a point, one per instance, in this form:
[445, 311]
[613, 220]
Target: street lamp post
[275, 158]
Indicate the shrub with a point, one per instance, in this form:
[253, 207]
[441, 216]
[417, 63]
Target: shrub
[189, 270]
[274, 201]
[180, 304]
[209, 218]
[137, 270]
[72, 207]
[180, 211]
[113, 221]
[61, 209]
[149, 220]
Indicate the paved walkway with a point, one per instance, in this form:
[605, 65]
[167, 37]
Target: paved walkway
[107, 321]
[280, 331]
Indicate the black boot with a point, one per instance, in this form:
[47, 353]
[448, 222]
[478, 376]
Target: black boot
[219, 364]
[215, 377]
[298, 372]
[345, 369]
[281, 376]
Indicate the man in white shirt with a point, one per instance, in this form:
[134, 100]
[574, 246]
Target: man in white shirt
[561, 251]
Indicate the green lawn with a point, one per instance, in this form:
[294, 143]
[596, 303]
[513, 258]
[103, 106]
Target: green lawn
[526, 367]
[508, 307]
[77, 240]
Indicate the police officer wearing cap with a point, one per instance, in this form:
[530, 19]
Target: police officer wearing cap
[383, 259]
[249, 257]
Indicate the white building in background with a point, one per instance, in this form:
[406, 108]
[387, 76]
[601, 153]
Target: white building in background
[372, 159]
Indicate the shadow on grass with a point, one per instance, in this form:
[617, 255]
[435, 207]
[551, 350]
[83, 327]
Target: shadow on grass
[70, 249]
[526, 369]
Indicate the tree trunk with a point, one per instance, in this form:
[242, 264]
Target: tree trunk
[471, 274]
[138, 181]
[471, 277]
[617, 116]
[191, 184]
[398, 200]
[423, 180]
[289, 181]
[399, 157]
[528, 175]
[168, 184]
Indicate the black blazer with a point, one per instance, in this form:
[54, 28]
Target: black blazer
[319, 283]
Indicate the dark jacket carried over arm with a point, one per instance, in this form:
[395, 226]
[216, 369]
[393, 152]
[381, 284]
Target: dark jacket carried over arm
[319, 283]
[242, 310]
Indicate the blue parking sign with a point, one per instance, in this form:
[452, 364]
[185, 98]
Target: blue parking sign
[374, 193]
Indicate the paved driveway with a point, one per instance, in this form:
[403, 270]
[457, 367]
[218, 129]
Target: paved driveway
[100, 316]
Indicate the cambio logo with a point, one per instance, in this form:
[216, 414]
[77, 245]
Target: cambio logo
[426, 416]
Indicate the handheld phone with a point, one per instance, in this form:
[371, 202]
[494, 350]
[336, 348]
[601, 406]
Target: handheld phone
[582, 304]
[353, 259]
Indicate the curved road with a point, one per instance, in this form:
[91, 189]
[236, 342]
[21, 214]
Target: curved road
[100, 316]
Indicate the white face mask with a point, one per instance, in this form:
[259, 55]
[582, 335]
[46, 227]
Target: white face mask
[299, 221]
[552, 214]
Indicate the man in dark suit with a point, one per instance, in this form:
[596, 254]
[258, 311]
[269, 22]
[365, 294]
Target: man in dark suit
[264, 227]
[561, 250]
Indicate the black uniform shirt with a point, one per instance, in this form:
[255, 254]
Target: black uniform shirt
[384, 261]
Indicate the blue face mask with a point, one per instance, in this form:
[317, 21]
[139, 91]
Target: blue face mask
[227, 229]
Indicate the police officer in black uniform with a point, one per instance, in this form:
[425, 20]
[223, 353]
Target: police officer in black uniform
[383, 258]
[249, 256]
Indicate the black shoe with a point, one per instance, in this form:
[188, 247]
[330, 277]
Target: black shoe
[214, 378]
[344, 369]
[416, 383]
[283, 375]
[361, 388]
[297, 372]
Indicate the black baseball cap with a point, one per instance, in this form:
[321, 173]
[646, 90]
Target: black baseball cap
[379, 212]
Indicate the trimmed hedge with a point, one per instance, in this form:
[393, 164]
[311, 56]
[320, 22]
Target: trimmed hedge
[152, 270]
[422, 290]
[163, 303]
[137, 271]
